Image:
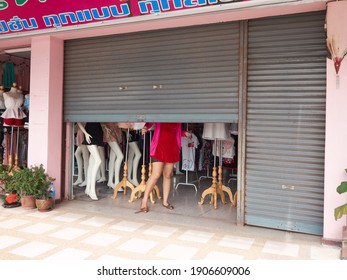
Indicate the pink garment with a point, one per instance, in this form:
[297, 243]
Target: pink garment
[156, 136]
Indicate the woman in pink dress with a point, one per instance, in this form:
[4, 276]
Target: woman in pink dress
[165, 152]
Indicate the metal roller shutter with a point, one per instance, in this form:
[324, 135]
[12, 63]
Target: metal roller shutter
[286, 123]
[186, 74]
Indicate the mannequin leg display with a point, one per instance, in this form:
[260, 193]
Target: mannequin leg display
[116, 158]
[79, 160]
[89, 173]
[133, 165]
[94, 165]
[111, 162]
[85, 155]
[102, 165]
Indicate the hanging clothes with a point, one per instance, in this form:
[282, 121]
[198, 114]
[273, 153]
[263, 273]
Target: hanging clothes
[188, 152]
[8, 76]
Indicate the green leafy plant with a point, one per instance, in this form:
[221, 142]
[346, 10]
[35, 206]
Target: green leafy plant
[341, 210]
[6, 181]
[32, 181]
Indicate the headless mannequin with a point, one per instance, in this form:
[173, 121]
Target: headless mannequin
[113, 137]
[216, 132]
[133, 161]
[102, 165]
[13, 100]
[134, 153]
[82, 158]
[92, 140]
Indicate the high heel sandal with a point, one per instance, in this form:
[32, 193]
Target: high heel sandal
[142, 210]
[168, 206]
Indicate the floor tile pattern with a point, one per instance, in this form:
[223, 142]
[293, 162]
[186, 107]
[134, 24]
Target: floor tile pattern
[71, 232]
[109, 229]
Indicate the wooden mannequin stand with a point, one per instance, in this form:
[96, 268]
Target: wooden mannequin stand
[220, 177]
[124, 182]
[142, 186]
[16, 154]
[214, 189]
[10, 156]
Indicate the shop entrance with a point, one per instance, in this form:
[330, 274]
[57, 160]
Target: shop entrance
[204, 163]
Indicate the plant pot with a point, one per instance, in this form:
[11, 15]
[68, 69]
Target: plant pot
[344, 244]
[28, 201]
[44, 205]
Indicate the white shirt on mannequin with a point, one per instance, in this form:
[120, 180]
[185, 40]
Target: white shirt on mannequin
[13, 100]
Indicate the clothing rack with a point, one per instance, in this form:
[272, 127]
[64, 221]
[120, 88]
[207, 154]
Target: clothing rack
[186, 182]
[208, 176]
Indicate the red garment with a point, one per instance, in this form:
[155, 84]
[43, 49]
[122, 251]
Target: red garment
[168, 150]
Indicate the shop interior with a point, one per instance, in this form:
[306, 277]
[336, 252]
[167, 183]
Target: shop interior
[201, 170]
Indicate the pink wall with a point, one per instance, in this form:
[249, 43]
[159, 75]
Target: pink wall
[336, 122]
[46, 95]
[335, 149]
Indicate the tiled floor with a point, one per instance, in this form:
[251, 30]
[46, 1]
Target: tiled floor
[109, 229]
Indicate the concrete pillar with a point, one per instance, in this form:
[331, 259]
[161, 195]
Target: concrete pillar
[46, 106]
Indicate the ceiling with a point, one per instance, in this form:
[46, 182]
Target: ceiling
[20, 52]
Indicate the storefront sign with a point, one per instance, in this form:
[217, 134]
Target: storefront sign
[18, 16]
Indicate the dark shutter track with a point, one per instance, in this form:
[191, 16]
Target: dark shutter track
[186, 74]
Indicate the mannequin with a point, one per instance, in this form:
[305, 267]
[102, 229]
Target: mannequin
[133, 159]
[82, 158]
[13, 100]
[93, 138]
[213, 131]
[216, 132]
[113, 137]
[134, 153]
[102, 165]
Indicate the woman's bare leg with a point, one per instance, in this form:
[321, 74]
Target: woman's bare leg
[157, 169]
[167, 174]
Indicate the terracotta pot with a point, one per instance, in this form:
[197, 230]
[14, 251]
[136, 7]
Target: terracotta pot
[28, 201]
[44, 205]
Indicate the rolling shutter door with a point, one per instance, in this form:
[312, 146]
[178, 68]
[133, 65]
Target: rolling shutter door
[186, 74]
[286, 123]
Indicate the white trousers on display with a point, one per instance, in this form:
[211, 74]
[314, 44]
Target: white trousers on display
[82, 158]
[94, 165]
[102, 165]
[133, 162]
[115, 162]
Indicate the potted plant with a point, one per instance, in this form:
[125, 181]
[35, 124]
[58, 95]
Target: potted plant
[32, 184]
[43, 194]
[44, 197]
[8, 190]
